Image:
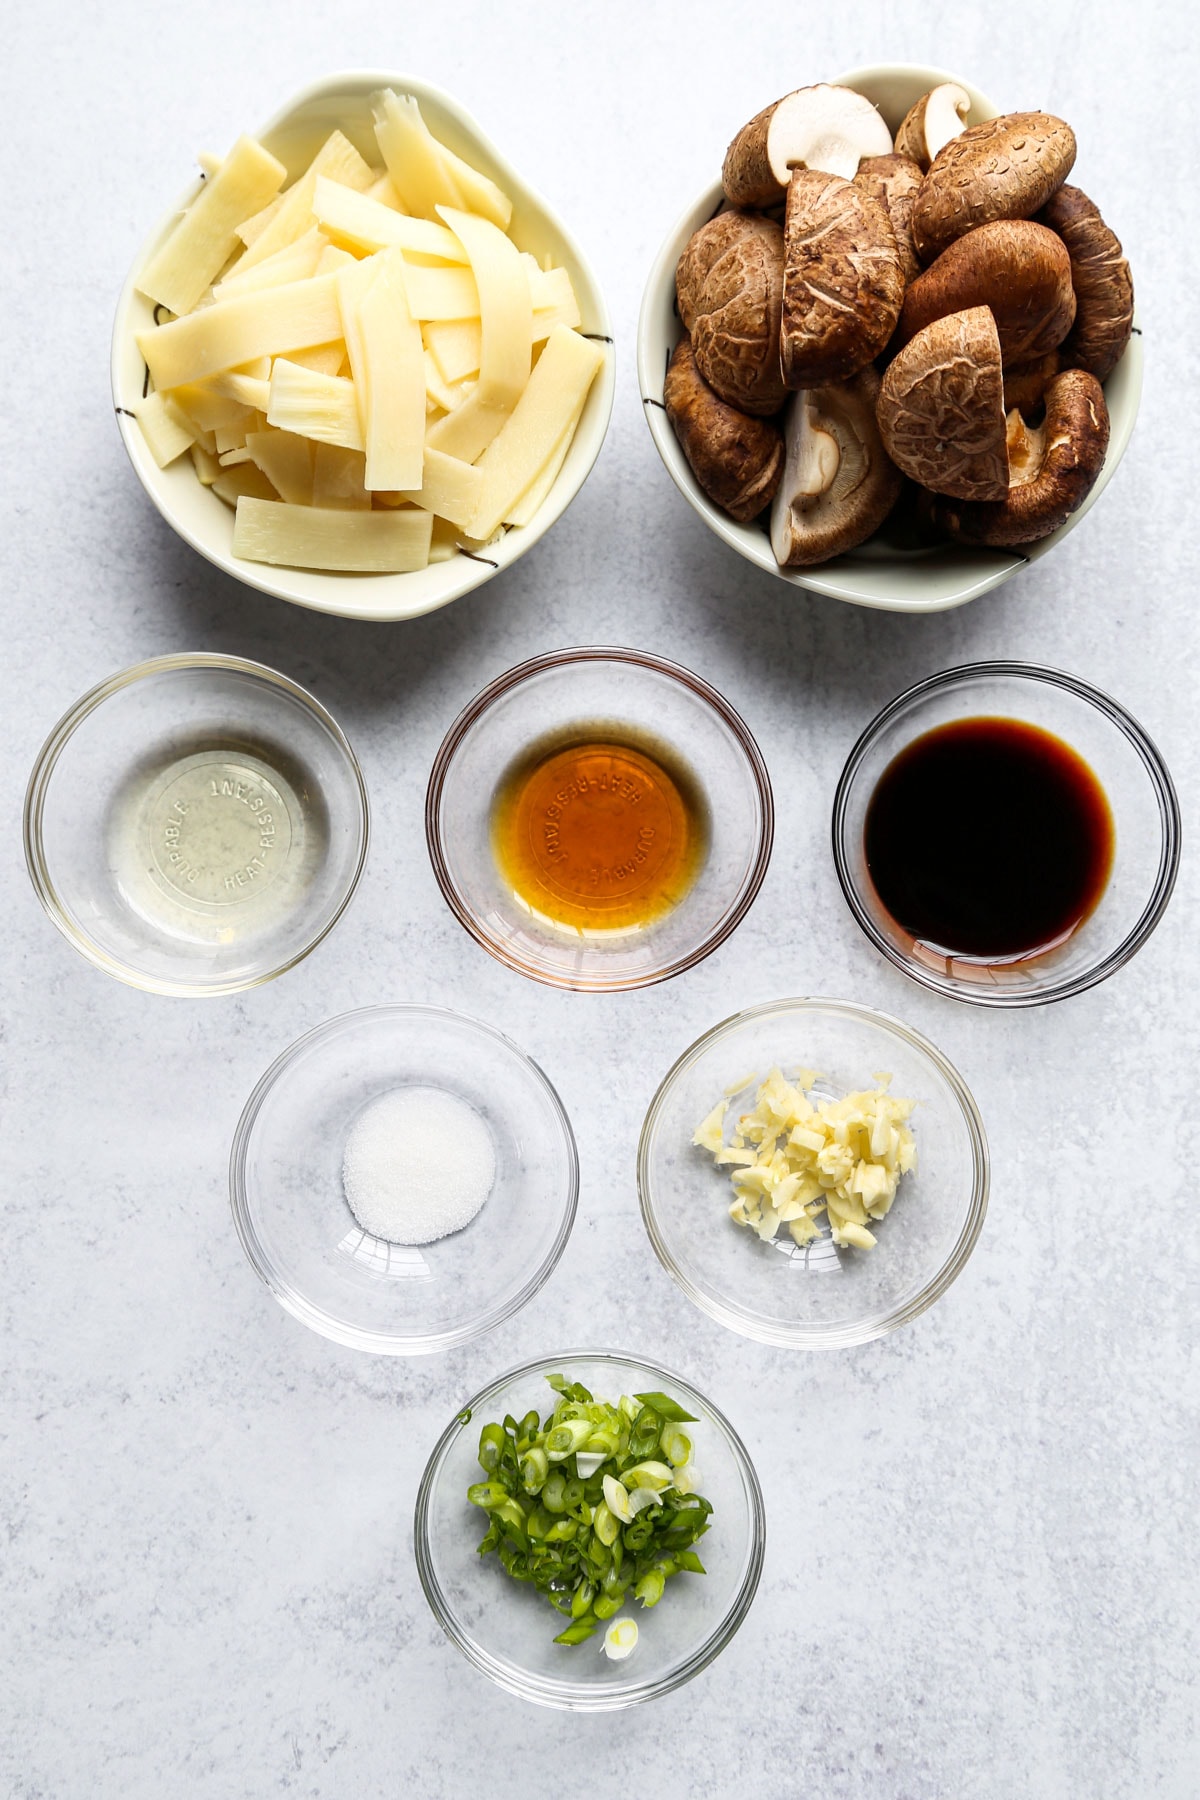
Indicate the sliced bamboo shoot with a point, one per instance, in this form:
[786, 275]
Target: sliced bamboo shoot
[450, 488]
[338, 478]
[234, 332]
[205, 237]
[339, 160]
[523, 509]
[442, 293]
[312, 537]
[506, 317]
[323, 407]
[424, 172]
[557, 388]
[455, 346]
[232, 484]
[326, 359]
[394, 373]
[295, 262]
[355, 219]
[166, 428]
[287, 462]
[254, 226]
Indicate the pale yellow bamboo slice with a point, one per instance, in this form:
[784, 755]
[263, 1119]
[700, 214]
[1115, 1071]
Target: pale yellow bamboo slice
[523, 509]
[352, 286]
[394, 374]
[253, 227]
[338, 159]
[234, 332]
[248, 480]
[207, 467]
[207, 408]
[295, 262]
[339, 478]
[287, 462]
[557, 387]
[334, 258]
[450, 488]
[424, 173]
[355, 219]
[312, 537]
[205, 237]
[323, 407]
[506, 317]
[166, 428]
[326, 359]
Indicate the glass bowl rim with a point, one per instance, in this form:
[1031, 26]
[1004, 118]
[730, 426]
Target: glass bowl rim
[512, 678]
[1160, 780]
[835, 1337]
[339, 1331]
[47, 760]
[524, 1685]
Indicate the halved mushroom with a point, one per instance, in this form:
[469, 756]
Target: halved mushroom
[941, 408]
[729, 282]
[736, 459]
[1052, 468]
[1103, 284]
[838, 485]
[820, 127]
[1018, 269]
[842, 282]
[1006, 168]
[893, 181]
[927, 127]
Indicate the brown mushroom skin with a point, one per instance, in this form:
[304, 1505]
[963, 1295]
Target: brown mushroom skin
[1075, 440]
[941, 408]
[736, 459]
[1102, 281]
[746, 174]
[1019, 269]
[1006, 168]
[842, 282]
[736, 310]
[1025, 383]
[893, 181]
[707, 246]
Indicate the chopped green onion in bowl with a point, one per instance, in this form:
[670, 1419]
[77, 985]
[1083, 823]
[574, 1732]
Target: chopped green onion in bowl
[593, 1505]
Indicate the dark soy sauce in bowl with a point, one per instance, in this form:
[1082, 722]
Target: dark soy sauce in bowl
[989, 838]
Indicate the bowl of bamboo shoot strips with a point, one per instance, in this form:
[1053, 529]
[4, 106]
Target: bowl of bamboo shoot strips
[362, 365]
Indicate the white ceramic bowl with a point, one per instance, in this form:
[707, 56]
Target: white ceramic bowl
[877, 574]
[294, 135]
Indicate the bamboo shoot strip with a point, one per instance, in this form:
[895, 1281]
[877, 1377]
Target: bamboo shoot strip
[506, 316]
[322, 407]
[287, 462]
[339, 161]
[558, 385]
[351, 218]
[449, 488]
[352, 285]
[268, 323]
[394, 366]
[527, 504]
[206, 236]
[312, 537]
[424, 173]
[295, 262]
[166, 429]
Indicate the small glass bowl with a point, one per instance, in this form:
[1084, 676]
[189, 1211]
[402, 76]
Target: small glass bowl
[285, 1182]
[196, 824]
[1127, 765]
[818, 1297]
[612, 690]
[507, 1629]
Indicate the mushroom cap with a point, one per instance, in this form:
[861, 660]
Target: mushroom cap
[842, 283]
[838, 485]
[941, 408]
[1025, 383]
[893, 180]
[928, 126]
[1053, 469]
[1018, 269]
[708, 245]
[818, 127]
[735, 313]
[736, 459]
[1006, 168]
[1103, 284]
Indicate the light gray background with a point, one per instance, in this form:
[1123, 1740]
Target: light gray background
[980, 1573]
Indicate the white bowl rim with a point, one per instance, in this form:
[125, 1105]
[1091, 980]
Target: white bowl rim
[46, 762]
[743, 1319]
[543, 1692]
[836, 578]
[339, 1331]
[477, 568]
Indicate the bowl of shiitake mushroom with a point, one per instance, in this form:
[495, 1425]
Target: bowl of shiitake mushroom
[891, 355]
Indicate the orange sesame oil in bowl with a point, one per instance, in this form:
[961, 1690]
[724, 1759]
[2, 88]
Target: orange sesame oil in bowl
[596, 830]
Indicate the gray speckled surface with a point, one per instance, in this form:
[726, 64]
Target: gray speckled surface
[981, 1569]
